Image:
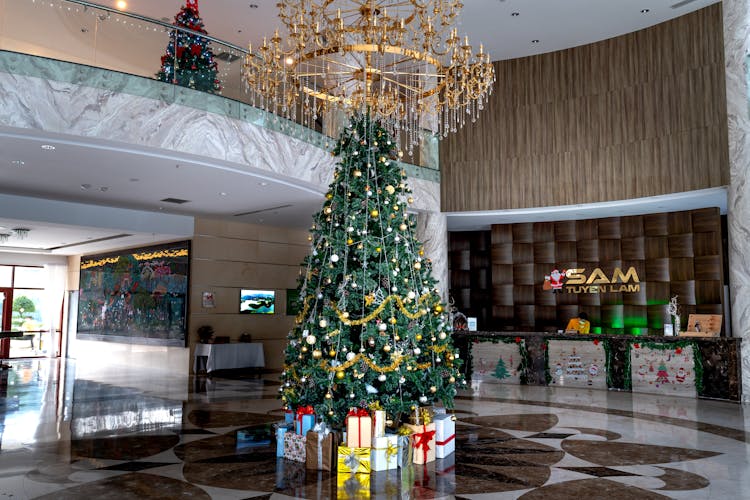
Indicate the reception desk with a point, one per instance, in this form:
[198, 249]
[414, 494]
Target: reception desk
[228, 356]
[682, 366]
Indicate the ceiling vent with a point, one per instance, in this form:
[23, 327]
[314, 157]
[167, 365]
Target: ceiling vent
[262, 210]
[176, 201]
[681, 4]
[226, 57]
[88, 242]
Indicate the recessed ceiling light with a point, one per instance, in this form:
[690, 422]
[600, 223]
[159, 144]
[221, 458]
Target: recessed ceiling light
[121, 4]
[644, 11]
[535, 41]
[84, 187]
[18, 163]
[515, 14]
[134, 179]
[104, 189]
[222, 193]
[48, 147]
[263, 184]
[253, 5]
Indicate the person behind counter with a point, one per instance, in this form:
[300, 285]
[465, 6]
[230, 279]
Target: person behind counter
[581, 324]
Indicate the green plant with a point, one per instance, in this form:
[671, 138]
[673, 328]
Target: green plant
[205, 334]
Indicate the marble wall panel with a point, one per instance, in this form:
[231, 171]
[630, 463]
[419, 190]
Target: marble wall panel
[736, 50]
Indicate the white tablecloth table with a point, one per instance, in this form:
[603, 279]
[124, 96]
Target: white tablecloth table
[229, 356]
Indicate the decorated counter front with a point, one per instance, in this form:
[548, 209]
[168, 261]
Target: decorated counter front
[681, 366]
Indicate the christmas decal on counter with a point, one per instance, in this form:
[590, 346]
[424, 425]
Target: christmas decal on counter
[666, 370]
[577, 363]
[496, 363]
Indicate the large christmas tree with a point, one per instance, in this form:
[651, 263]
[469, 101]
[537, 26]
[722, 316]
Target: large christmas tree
[189, 60]
[372, 327]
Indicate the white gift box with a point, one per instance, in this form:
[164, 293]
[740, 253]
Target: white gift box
[445, 435]
[384, 453]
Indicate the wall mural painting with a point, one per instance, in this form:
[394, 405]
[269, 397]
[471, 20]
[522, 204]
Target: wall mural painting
[136, 295]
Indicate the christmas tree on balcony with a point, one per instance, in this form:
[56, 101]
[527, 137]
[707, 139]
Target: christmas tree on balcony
[189, 61]
[372, 327]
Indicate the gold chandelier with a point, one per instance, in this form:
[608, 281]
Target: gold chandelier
[399, 60]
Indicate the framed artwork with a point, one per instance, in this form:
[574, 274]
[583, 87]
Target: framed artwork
[136, 296]
[207, 300]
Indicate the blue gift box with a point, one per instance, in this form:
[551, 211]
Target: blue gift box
[280, 431]
[306, 423]
[288, 417]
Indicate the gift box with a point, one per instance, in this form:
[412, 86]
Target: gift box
[384, 453]
[304, 420]
[353, 486]
[321, 448]
[358, 428]
[281, 430]
[378, 423]
[294, 447]
[353, 459]
[289, 417]
[424, 442]
[405, 455]
[445, 435]
[254, 438]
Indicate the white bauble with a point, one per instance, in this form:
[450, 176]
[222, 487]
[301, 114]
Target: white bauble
[311, 339]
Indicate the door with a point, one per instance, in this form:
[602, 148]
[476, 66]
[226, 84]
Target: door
[5, 312]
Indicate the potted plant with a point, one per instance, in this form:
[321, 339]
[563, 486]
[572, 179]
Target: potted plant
[205, 334]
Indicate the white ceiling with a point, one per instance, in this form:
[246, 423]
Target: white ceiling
[102, 174]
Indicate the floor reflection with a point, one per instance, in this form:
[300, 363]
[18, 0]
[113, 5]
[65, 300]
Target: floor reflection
[120, 436]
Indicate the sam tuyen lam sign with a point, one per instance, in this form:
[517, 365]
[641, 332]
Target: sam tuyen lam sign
[577, 281]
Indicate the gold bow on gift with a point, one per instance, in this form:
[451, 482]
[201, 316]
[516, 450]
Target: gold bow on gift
[375, 406]
[391, 451]
[425, 415]
[404, 431]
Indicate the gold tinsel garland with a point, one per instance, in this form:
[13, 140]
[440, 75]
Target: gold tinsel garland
[343, 316]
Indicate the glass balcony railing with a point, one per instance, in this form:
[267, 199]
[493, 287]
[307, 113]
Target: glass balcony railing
[85, 33]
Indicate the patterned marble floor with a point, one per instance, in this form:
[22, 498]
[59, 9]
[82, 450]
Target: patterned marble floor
[70, 433]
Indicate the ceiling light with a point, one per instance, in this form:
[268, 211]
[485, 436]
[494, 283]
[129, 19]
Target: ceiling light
[222, 193]
[253, 5]
[263, 184]
[104, 189]
[48, 147]
[4, 237]
[85, 187]
[134, 179]
[18, 163]
[401, 61]
[645, 11]
[121, 4]
[515, 14]
[535, 41]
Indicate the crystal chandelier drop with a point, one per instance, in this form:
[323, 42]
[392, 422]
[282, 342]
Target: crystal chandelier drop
[402, 61]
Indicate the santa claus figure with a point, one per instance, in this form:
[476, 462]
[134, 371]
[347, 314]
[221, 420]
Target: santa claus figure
[680, 377]
[555, 279]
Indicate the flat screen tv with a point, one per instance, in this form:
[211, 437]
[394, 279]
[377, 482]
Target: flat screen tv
[257, 301]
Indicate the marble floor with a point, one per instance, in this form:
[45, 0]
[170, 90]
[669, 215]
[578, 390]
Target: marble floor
[68, 432]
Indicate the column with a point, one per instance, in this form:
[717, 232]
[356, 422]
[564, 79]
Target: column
[432, 231]
[736, 56]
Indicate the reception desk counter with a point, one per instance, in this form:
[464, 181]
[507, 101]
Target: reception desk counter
[683, 366]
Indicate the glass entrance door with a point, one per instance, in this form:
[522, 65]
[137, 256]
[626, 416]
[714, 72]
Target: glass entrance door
[5, 312]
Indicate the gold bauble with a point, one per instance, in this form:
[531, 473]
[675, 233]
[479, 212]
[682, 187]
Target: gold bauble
[329, 196]
[304, 348]
[421, 252]
[357, 173]
[396, 338]
[392, 321]
[408, 368]
[410, 199]
[418, 337]
[439, 308]
[433, 389]
[309, 238]
[378, 249]
[330, 413]
[387, 348]
[345, 314]
[328, 210]
[390, 189]
[452, 379]
[395, 208]
[360, 247]
[393, 216]
[340, 374]
[349, 241]
[374, 213]
[417, 265]
[442, 335]
[317, 354]
[329, 395]
[451, 357]
[332, 353]
[402, 227]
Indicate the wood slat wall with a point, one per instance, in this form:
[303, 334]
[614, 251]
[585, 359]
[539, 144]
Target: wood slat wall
[677, 253]
[639, 115]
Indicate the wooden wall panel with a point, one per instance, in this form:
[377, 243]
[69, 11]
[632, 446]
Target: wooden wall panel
[666, 262]
[638, 115]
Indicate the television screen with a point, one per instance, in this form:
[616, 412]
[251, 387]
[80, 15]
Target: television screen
[257, 302]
